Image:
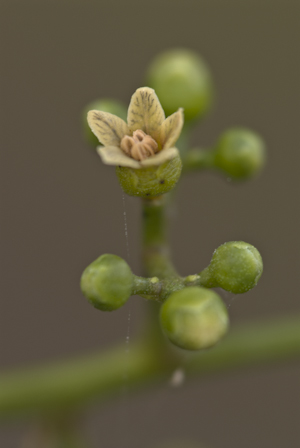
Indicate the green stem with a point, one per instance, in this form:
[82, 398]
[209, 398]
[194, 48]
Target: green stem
[147, 286]
[159, 290]
[252, 344]
[203, 279]
[53, 390]
[57, 387]
[156, 253]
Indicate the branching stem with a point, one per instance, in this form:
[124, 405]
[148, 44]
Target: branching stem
[56, 389]
[59, 387]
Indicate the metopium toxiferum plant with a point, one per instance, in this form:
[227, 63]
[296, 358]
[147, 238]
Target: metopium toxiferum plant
[151, 153]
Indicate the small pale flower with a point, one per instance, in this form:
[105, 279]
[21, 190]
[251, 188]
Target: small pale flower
[148, 138]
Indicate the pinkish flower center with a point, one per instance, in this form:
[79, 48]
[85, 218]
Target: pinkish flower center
[140, 146]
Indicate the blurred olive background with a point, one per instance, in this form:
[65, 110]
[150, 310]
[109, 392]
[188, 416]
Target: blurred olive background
[61, 208]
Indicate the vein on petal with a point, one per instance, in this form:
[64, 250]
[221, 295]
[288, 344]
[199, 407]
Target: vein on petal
[108, 128]
[145, 112]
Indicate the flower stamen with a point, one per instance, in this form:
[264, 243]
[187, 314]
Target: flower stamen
[140, 146]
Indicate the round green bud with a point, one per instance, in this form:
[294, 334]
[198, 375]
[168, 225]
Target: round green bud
[194, 318]
[240, 153]
[105, 105]
[181, 78]
[236, 266]
[152, 181]
[107, 282]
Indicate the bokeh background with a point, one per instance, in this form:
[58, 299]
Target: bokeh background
[61, 208]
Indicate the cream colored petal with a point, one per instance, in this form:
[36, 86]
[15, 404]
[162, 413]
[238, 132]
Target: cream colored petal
[112, 155]
[170, 129]
[160, 158]
[108, 128]
[145, 112]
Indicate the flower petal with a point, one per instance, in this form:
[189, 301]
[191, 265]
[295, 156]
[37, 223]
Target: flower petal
[112, 155]
[171, 128]
[160, 158]
[145, 112]
[108, 128]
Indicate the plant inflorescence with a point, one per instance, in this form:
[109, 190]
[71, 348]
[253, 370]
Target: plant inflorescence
[149, 147]
[150, 153]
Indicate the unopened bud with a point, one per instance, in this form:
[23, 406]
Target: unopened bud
[236, 267]
[194, 318]
[240, 153]
[107, 282]
[181, 79]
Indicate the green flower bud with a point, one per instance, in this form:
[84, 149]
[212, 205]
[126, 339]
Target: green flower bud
[181, 79]
[107, 282]
[236, 267]
[194, 318]
[240, 153]
[152, 181]
[106, 105]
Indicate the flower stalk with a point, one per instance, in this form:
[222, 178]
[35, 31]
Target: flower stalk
[156, 252]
